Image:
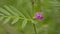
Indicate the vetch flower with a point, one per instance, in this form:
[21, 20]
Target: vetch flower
[38, 15]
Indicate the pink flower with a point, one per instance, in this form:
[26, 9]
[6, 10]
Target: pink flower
[38, 15]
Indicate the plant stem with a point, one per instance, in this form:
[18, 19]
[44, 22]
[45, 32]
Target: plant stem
[33, 10]
[35, 28]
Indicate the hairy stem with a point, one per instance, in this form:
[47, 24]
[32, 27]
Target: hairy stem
[35, 28]
[33, 10]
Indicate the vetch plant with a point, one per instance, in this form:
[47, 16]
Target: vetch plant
[29, 16]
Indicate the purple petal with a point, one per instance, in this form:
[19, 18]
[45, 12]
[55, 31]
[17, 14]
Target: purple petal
[38, 15]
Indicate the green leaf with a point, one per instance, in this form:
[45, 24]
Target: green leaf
[1, 18]
[15, 20]
[5, 12]
[24, 23]
[12, 12]
[6, 20]
[17, 11]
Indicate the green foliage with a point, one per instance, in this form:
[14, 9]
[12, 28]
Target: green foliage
[16, 16]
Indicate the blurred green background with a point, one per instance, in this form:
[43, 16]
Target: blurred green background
[16, 17]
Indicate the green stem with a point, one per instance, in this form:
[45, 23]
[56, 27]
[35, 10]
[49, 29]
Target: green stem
[33, 10]
[35, 28]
